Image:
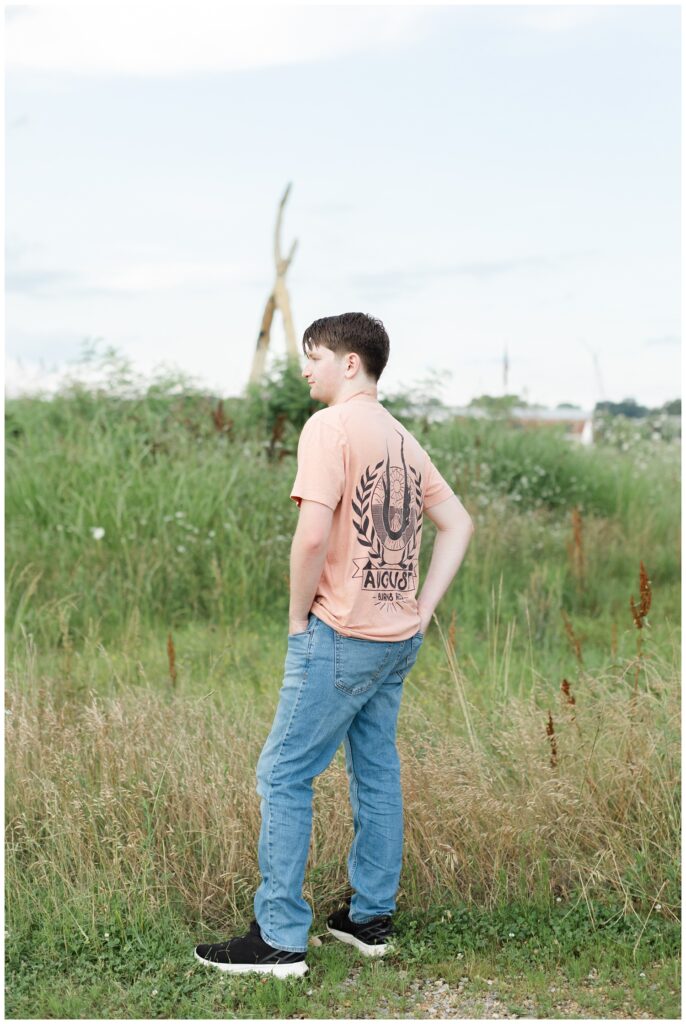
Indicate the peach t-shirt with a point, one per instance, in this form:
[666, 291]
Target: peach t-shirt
[361, 462]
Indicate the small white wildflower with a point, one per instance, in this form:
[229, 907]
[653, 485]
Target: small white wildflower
[460, 956]
[658, 906]
[97, 532]
[641, 974]
[511, 935]
[154, 992]
[179, 515]
[558, 899]
[180, 548]
[107, 935]
[8, 711]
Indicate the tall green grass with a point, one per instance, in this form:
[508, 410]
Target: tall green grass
[132, 816]
[197, 523]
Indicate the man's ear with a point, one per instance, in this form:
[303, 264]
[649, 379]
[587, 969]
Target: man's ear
[352, 361]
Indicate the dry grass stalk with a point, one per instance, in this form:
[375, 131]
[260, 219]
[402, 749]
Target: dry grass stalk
[218, 581]
[452, 630]
[66, 643]
[574, 640]
[550, 731]
[111, 791]
[639, 616]
[613, 640]
[171, 657]
[575, 549]
[222, 422]
[570, 699]
[459, 685]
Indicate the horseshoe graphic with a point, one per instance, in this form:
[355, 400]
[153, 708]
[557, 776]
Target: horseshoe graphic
[396, 534]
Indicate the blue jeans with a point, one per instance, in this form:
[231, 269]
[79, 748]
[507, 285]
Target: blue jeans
[336, 689]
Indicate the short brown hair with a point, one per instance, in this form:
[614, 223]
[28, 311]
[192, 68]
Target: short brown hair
[351, 332]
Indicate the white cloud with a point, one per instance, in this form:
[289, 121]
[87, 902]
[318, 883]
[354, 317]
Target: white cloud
[152, 40]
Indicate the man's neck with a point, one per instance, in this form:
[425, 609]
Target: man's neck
[354, 389]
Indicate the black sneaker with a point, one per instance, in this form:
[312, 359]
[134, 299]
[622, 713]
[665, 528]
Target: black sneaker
[251, 953]
[370, 937]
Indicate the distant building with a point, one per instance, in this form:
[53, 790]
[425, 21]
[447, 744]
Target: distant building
[578, 423]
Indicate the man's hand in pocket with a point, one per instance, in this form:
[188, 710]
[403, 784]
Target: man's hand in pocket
[297, 625]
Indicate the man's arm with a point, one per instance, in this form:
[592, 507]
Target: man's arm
[454, 532]
[308, 554]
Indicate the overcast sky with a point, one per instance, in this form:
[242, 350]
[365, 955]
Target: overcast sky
[480, 178]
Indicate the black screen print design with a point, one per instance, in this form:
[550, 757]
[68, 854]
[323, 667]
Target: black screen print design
[388, 507]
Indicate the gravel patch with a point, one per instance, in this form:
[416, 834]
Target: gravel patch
[437, 999]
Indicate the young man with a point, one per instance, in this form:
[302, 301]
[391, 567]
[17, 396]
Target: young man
[356, 625]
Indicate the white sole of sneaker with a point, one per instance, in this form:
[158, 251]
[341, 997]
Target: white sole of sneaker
[358, 944]
[276, 970]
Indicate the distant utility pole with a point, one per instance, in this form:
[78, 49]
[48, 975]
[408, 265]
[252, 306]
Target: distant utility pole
[277, 299]
[598, 375]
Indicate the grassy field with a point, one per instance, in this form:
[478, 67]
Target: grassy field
[146, 596]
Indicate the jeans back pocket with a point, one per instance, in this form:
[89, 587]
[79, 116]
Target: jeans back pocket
[359, 664]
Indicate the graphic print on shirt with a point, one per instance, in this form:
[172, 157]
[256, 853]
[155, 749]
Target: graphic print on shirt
[388, 507]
